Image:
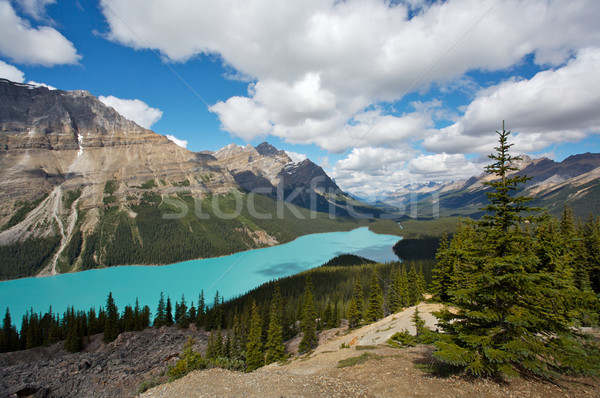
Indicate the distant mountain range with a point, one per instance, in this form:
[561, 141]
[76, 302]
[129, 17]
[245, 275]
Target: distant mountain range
[83, 187]
[574, 181]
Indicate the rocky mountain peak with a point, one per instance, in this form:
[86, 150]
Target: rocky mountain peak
[267, 149]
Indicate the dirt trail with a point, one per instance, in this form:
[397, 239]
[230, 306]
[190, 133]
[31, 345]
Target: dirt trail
[387, 372]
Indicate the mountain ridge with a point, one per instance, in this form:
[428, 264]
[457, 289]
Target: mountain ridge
[88, 188]
[572, 181]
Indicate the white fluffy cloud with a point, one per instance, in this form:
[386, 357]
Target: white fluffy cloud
[317, 64]
[11, 73]
[328, 72]
[134, 109]
[554, 106]
[25, 44]
[181, 143]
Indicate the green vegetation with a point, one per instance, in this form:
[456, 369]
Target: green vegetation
[74, 327]
[424, 228]
[26, 258]
[344, 363]
[110, 187]
[521, 285]
[424, 248]
[347, 259]
[22, 212]
[149, 184]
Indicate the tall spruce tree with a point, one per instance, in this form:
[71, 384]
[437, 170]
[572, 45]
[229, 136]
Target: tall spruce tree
[309, 320]
[168, 313]
[160, 318]
[393, 295]
[255, 356]
[275, 350]
[513, 317]
[375, 308]
[355, 309]
[201, 312]
[111, 327]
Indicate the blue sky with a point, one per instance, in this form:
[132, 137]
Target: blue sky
[381, 94]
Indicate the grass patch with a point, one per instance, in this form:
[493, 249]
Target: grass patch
[148, 384]
[149, 184]
[365, 347]
[344, 363]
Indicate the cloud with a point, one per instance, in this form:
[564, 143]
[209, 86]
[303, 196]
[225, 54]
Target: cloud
[554, 106]
[25, 44]
[181, 143]
[314, 72]
[11, 73]
[35, 8]
[134, 109]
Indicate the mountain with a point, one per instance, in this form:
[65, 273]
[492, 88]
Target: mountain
[575, 181]
[83, 187]
[269, 171]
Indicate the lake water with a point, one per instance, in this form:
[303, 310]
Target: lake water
[230, 275]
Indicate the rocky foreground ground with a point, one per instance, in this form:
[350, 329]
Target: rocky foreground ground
[102, 370]
[354, 364]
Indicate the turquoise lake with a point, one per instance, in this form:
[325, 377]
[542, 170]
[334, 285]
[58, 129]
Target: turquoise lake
[230, 275]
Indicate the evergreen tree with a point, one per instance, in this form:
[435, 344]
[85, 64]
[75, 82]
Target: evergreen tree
[73, 342]
[111, 327]
[513, 315]
[275, 350]
[590, 235]
[443, 272]
[192, 313]
[128, 320]
[200, 314]
[168, 313]
[183, 320]
[6, 334]
[375, 309]
[161, 318]
[356, 305]
[415, 286]
[402, 287]
[309, 322]
[255, 356]
[393, 295]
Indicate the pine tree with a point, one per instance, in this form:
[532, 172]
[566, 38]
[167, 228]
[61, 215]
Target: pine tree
[375, 309]
[443, 272]
[275, 350]
[128, 319]
[182, 319]
[415, 286]
[309, 322]
[393, 295]
[6, 334]
[590, 235]
[160, 319]
[513, 315]
[255, 356]
[200, 314]
[111, 327]
[73, 342]
[402, 287]
[356, 305]
[168, 313]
